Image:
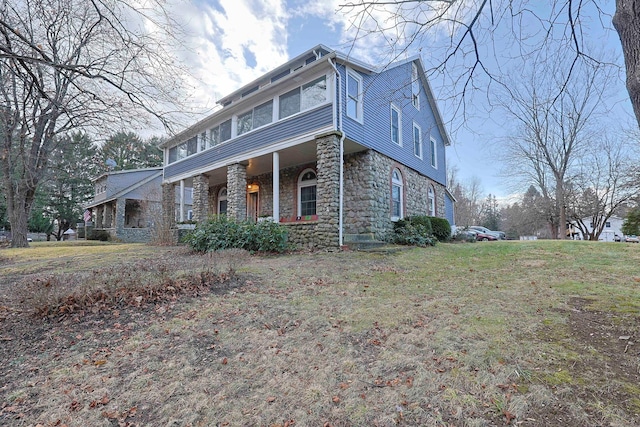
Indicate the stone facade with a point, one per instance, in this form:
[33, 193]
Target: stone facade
[367, 193]
[328, 189]
[237, 191]
[200, 197]
[168, 206]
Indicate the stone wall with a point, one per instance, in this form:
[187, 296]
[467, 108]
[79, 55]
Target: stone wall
[328, 189]
[302, 234]
[200, 197]
[367, 194]
[237, 191]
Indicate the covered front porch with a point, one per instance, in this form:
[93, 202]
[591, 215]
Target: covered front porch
[298, 186]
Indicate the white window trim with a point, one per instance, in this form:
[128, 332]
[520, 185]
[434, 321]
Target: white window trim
[399, 184]
[360, 101]
[434, 152]
[413, 139]
[307, 184]
[399, 111]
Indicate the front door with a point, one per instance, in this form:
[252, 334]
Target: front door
[252, 205]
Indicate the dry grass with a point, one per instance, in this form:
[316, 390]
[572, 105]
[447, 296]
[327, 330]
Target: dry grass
[462, 335]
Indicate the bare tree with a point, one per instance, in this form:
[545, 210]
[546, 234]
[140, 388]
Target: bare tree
[626, 20]
[469, 199]
[604, 184]
[69, 64]
[553, 129]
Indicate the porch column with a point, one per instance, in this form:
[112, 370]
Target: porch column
[276, 186]
[107, 215]
[200, 197]
[168, 206]
[181, 200]
[328, 189]
[99, 212]
[237, 191]
[119, 216]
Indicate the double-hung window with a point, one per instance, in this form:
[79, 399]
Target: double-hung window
[417, 141]
[431, 194]
[434, 153]
[396, 125]
[354, 95]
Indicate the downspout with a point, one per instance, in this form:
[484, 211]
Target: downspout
[342, 137]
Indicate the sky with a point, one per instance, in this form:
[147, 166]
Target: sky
[232, 42]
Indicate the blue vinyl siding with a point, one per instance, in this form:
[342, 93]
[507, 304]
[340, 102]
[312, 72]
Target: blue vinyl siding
[448, 207]
[279, 131]
[380, 90]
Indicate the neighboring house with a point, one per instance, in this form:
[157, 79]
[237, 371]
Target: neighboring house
[127, 203]
[325, 144]
[612, 228]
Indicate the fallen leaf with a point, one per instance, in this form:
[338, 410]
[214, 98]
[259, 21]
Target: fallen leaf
[100, 362]
[335, 399]
[225, 361]
[271, 399]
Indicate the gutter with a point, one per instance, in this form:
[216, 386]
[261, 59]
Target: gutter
[342, 138]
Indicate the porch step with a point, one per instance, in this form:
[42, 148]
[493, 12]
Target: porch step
[361, 242]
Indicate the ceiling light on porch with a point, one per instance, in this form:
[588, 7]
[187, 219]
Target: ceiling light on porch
[249, 187]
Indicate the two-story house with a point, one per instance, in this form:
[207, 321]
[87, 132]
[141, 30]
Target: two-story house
[325, 144]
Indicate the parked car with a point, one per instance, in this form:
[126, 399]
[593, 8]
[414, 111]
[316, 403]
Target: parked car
[499, 235]
[485, 237]
[463, 233]
[631, 239]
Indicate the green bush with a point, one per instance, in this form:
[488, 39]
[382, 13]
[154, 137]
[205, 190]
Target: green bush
[101, 235]
[441, 228]
[220, 233]
[414, 230]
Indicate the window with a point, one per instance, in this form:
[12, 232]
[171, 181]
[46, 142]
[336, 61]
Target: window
[302, 98]
[214, 137]
[396, 125]
[203, 141]
[222, 201]
[307, 187]
[434, 153]
[225, 130]
[192, 146]
[252, 119]
[417, 141]
[607, 224]
[173, 154]
[431, 195]
[263, 114]
[182, 150]
[354, 95]
[314, 93]
[396, 195]
[415, 86]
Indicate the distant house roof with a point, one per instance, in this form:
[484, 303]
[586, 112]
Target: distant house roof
[155, 173]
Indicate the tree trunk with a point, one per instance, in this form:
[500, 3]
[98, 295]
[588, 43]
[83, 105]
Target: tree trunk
[626, 21]
[18, 211]
[562, 209]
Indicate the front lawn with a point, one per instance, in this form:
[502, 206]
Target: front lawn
[490, 334]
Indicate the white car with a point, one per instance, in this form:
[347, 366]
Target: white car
[499, 234]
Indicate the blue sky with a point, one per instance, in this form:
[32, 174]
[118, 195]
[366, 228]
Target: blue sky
[235, 41]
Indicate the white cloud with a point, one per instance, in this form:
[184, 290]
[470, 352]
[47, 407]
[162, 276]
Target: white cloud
[219, 40]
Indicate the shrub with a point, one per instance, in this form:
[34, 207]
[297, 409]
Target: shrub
[101, 235]
[221, 232]
[414, 230]
[441, 228]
